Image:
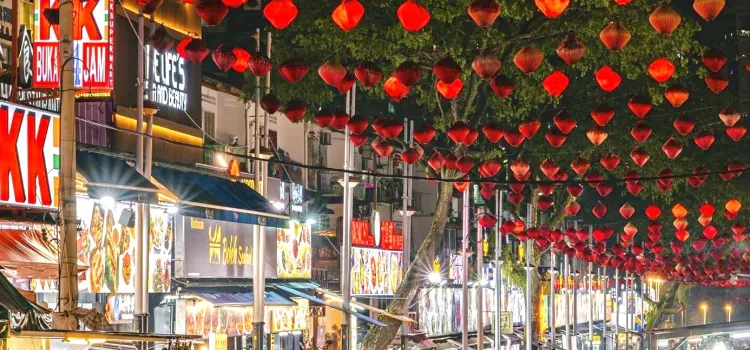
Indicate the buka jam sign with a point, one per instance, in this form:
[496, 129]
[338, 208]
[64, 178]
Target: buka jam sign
[93, 45]
[29, 157]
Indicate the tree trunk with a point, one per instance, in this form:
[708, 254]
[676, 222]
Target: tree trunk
[379, 338]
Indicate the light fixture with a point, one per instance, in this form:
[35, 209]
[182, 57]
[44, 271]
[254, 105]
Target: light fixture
[353, 181]
[150, 108]
[409, 211]
[172, 209]
[221, 161]
[263, 154]
[434, 277]
[278, 205]
[311, 222]
[108, 202]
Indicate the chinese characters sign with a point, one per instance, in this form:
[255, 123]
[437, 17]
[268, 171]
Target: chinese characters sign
[93, 45]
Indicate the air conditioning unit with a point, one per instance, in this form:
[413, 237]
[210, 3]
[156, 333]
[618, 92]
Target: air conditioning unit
[325, 138]
[253, 5]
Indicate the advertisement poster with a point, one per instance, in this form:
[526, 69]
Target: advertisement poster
[160, 252]
[107, 247]
[202, 318]
[376, 272]
[287, 319]
[294, 257]
[440, 310]
[582, 309]
[120, 308]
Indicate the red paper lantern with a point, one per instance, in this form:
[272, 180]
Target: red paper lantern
[683, 125]
[212, 12]
[513, 137]
[738, 228]
[682, 235]
[470, 138]
[224, 58]
[465, 164]
[488, 220]
[458, 132]
[357, 124]
[486, 65]
[679, 211]
[280, 13]
[710, 232]
[549, 168]
[346, 83]
[502, 86]
[340, 120]
[599, 210]
[552, 8]
[295, 111]
[491, 167]
[243, 59]
[410, 156]
[413, 16]
[324, 118]
[484, 12]
[529, 128]
[676, 95]
[736, 132]
[358, 140]
[382, 147]
[520, 167]
[575, 190]
[436, 162]
[270, 103]
[148, 6]
[573, 208]
[610, 161]
[580, 165]
[556, 83]
[708, 9]
[596, 135]
[493, 132]
[193, 49]
[391, 129]
[622, 2]
[564, 122]
[716, 82]
[293, 70]
[348, 14]
[487, 194]
[608, 79]
[653, 212]
[665, 19]
[516, 198]
[733, 206]
[664, 182]
[447, 70]
[544, 203]
[704, 140]
[729, 116]
[615, 36]
[571, 49]
[368, 74]
[639, 156]
[528, 59]
[699, 244]
[602, 114]
[604, 189]
[640, 132]
[449, 90]
[661, 69]
[555, 138]
[424, 134]
[640, 106]
[627, 211]
[714, 59]
[259, 64]
[332, 72]
[395, 89]
[160, 40]
[546, 189]
[408, 73]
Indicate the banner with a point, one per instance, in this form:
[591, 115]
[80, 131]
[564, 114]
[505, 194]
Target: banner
[294, 253]
[202, 318]
[440, 310]
[161, 236]
[581, 310]
[292, 318]
[376, 272]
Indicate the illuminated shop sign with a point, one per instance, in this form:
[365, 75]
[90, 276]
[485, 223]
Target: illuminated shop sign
[166, 80]
[93, 45]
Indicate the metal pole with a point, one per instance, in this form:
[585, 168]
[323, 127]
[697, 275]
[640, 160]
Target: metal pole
[627, 310]
[465, 273]
[643, 317]
[617, 306]
[350, 204]
[68, 297]
[404, 226]
[499, 269]
[604, 308]
[346, 249]
[528, 283]
[575, 293]
[258, 234]
[14, 50]
[480, 288]
[591, 291]
[552, 280]
[566, 300]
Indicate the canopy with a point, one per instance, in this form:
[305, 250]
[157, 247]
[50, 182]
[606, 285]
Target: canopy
[314, 299]
[238, 297]
[213, 197]
[22, 313]
[28, 255]
[109, 176]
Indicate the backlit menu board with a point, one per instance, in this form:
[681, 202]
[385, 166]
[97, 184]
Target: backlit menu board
[376, 272]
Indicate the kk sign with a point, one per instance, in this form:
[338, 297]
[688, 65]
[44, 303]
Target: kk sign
[93, 45]
[29, 156]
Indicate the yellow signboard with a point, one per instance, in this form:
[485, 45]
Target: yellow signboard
[217, 341]
[506, 323]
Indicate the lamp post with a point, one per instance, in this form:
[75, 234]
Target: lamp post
[498, 270]
[728, 309]
[348, 183]
[704, 308]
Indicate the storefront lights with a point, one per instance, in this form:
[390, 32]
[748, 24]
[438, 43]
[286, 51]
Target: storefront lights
[108, 202]
[311, 222]
[434, 277]
[172, 210]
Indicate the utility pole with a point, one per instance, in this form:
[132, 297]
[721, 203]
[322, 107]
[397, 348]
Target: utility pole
[499, 270]
[258, 234]
[68, 297]
[480, 284]
[405, 226]
[141, 282]
[347, 243]
[529, 313]
[465, 272]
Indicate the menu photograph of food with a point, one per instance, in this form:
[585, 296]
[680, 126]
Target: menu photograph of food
[376, 272]
[287, 319]
[160, 255]
[203, 318]
[294, 256]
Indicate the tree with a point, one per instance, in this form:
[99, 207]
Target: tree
[380, 38]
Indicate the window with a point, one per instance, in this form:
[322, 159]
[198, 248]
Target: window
[209, 125]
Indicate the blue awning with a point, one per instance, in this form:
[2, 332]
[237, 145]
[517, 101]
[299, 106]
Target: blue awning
[314, 299]
[240, 298]
[218, 198]
[110, 176]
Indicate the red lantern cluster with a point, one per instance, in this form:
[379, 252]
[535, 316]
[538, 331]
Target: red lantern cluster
[280, 13]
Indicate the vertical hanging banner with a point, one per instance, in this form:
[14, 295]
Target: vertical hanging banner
[93, 45]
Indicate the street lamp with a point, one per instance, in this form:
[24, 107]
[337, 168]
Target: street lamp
[353, 181]
[704, 308]
[728, 309]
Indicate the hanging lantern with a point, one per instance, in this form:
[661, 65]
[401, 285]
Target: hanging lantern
[391, 129]
[408, 73]
[704, 220]
[502, 86]
[574, 190]
[664, 19]
[487, 194]
[704, 140]
[357, 140]
[632, 184]
[622, 2]
[357, 124]
[653, 212]
[699, 244]
[324, 118]
[410, 156]
[597, 135]
[549, 168]
[224, 58]
[368, 74]
[470, 138]
[529, 128]
[195, 50]
[346, 83]
[491, 167]
[280, 13]
[736, 132]
[552, 8]
[395, 89]
[716, 82]
[243, 59]
[679, 211]
[615, 36]
[348, 14]
[260, 65]
[465, 164]
[639, 156]
[212, 12]
[544, 203]
[683, 125]
[640, 132]
[640, 106]
[573, 208]
[729, 117]
[733, 206]
[382, 147]
[661, 69]
[436, 162]
[564, 122]
[149, 6]
[555, 138]
[627, 211]
[520, 167]
[160, 40]
[332, 72]
[487, 220]
[571, 49]
[600, 210]
[546, 189]
[413, 16]
[293, 70]
[714, 59]
[424, 134]
[493, 132]
[484, 12]
[295, 111]
[528, 59]
[602, 114]
[449, 91]
[486, 65]
[676, 95]
[709, 9]
[580, 165]
[699, 176]
[340, 120]
[664, 182]
[458, 132]
[707, 209]
[513, 137]
[610, 161]
[270, 103]
[447, 70]
[604, 189]
[556, 83]
[608, 79]
[461, 186]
